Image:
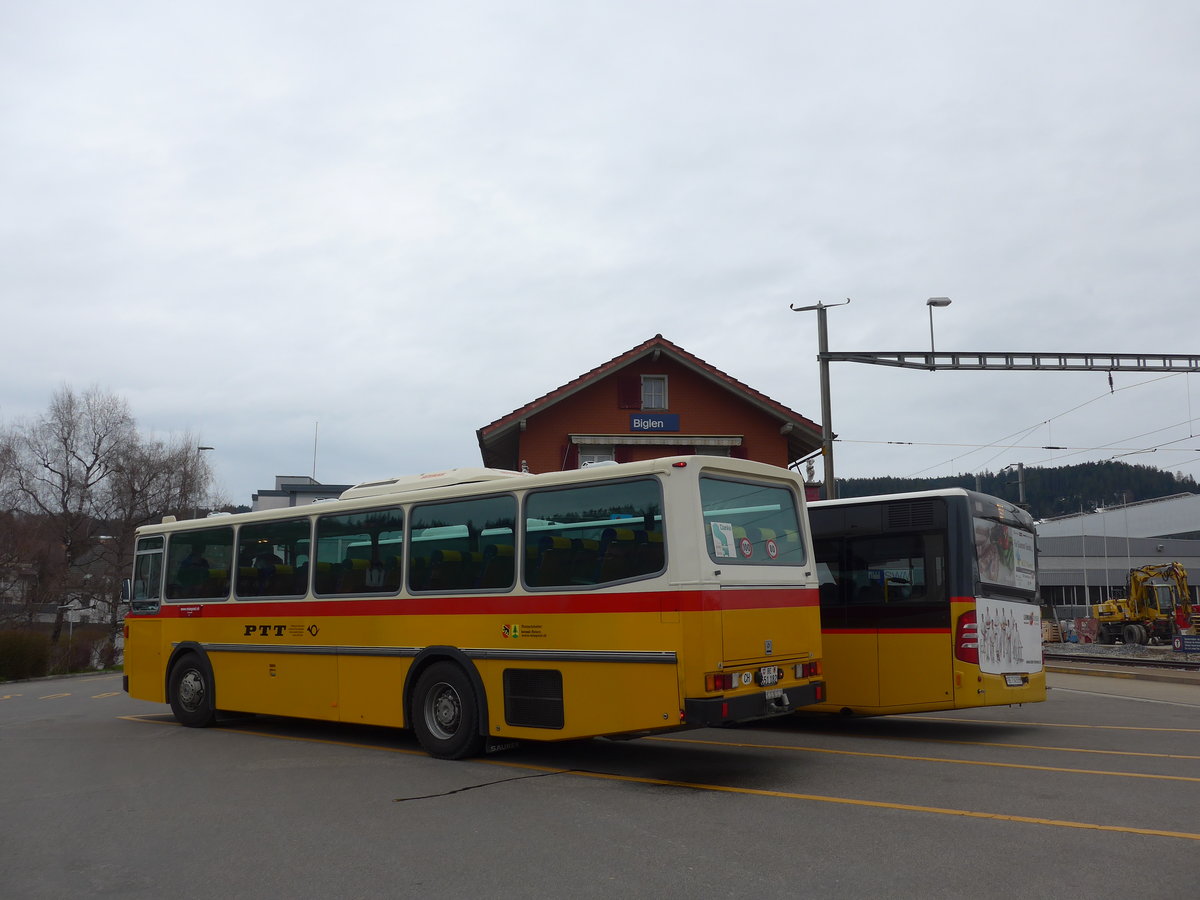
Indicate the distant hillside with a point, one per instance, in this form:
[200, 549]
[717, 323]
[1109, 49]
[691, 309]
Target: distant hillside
[1049, 492]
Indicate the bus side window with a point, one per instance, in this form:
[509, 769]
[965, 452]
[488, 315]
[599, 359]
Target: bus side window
[594, 534]
[463, 544]
[268, 558]
[198, 564]
[360, 553]
[829, 572]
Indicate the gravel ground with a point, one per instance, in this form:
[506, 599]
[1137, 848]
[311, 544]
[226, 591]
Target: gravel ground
[1126, 651]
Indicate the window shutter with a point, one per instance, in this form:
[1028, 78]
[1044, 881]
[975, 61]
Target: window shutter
[629, 392]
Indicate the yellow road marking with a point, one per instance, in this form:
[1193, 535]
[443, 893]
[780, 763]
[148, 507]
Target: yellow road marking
[108, 694]
[54, 696]
[756, 792]
[1045, 724]
[908, 807]
[936, 759]
[10, 696]
[1139, 753]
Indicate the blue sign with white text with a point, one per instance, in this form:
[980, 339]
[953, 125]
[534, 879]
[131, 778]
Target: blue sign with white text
[1188, 643]
[654, 422]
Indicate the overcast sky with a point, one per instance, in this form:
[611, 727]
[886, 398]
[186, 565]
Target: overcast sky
[403, 220]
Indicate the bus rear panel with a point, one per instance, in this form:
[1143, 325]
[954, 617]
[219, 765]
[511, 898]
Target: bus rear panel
[928, 602]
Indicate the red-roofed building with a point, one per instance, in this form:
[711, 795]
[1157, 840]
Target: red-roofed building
[654, 400]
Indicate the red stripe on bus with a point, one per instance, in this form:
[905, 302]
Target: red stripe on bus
[501, 604]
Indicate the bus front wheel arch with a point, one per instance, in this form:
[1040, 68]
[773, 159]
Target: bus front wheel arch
[446, 712]
[190, 691]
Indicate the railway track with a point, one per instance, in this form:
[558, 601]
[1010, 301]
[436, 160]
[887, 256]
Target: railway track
[1130, 662]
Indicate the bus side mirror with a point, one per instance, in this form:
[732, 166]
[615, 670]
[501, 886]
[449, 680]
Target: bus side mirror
[126, 590]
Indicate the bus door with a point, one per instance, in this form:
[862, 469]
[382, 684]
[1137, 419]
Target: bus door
[906, 597]
[885, 619]
[849, 642]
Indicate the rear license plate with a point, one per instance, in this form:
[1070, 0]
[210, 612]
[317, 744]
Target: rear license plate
[768, 675]
[1014, 680]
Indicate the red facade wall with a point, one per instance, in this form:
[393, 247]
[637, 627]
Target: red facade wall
[703, 407]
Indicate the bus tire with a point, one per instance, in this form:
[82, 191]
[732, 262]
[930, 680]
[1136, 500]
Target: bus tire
[446, 713]
[190, 692]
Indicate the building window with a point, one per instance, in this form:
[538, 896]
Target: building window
[654, 392]
[593, 454]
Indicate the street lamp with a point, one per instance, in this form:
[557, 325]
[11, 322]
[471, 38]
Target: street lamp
[931, 303]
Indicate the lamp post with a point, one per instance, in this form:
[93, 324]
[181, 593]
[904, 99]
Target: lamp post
[826, 403]
[931, 303]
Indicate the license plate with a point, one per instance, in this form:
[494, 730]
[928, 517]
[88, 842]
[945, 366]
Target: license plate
[773, 694]
[768, 675]
[1014, 680]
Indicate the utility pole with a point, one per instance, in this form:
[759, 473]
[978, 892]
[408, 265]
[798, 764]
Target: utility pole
[826, 404]
[1020, 482]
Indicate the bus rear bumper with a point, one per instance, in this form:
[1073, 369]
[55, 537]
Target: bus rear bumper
[763, 705]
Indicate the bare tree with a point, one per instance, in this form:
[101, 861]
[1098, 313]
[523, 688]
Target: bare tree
[75, 484]
[57, 469]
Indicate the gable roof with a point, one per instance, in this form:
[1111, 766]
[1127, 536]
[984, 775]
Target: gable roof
[499, 438]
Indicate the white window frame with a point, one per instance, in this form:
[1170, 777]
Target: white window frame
[653, 385]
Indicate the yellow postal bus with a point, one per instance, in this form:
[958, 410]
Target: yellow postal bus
[928, 602]
[480, 607]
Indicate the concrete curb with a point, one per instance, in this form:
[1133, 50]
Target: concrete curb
[1121, 672]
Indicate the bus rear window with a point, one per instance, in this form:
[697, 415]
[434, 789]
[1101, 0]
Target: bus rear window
[747, 523]
[1006, 555]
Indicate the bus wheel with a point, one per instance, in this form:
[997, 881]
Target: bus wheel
[446, 713]
[190, 692]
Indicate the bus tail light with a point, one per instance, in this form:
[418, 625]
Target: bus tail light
[808, 669]
[966, 639]
[720, 681]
